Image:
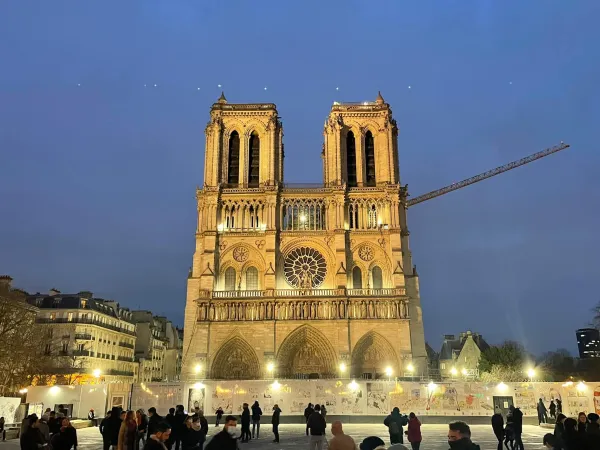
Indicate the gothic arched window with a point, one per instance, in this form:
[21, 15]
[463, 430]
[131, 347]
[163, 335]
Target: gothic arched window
[252, 279]
[233, 159]
[370, 158]
[253, 159]
[372, 217]
[230, 279]
[351, 159]
[377, 277]
[356, 278]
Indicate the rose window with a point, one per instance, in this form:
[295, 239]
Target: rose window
[366, 253]
[240, 254]
[305, 268]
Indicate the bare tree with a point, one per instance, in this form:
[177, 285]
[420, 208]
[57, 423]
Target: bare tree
[21, 341]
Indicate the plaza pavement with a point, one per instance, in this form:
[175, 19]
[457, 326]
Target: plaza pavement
[292, 437]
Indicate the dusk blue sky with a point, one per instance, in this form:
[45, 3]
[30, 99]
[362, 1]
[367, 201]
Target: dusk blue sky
[97, 181]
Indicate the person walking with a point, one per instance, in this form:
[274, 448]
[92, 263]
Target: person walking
[245, 419]
[180, 418]
[552, 409]
[160, 435]
[191, 436]
[542, 412]
[127, 432]
[459, 437]
[2, 430]
[153, 420]
[317, 425]
[324, 412]
[498, 426]
[32, 438]
[340, 441]
[517, 420]
[593, 431]
[256, 413]
[53, 423]
[227, 438]
[559, 429]
[414, 431]
[67, 438]
[219, 412]
[395, 421]
[104, 433]
[203, 425]
[558, 406]
[307, 413]
[142, 426]
[275, 422]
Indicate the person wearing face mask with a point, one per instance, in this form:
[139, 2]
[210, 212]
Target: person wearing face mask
[158, 439]
[226, 439]
[459, 437]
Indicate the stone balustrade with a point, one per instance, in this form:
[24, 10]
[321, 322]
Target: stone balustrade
[291, 293]
[274, 309]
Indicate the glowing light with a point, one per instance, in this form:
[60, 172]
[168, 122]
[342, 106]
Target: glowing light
[265, 88]
[54, 390]
[337, 88]
[198, 368]
[23, 391]
[342, 367]
[155, 85]
[388, 371]
[198, 88]
[431, 386]
[379, 222]
[353, 385]
[453, 371]
[581, 386]
[410, 367]
[218, 85]
[220, 227]
[502, 387]
[270, 367]
[302, 218]
[198, 386]
[464, 371]
[568, 383]
[410, 87]
[275, 386]
[97, 373]
[531, 373]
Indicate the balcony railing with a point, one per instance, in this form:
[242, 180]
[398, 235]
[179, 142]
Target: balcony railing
[227, 310]
[122, 373]
[86, 322]
[125, 358]
[126, 345]
[83, 337]
[290, 293]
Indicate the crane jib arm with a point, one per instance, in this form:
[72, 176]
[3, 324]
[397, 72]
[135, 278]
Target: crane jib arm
[485, 175]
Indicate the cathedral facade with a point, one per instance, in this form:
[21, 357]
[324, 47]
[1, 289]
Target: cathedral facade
[302, 281]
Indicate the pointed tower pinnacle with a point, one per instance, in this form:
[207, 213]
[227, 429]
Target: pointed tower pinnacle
[222, 98]
[379, 100]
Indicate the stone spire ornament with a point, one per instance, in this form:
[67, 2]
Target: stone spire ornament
[379, 100]
[222, 98]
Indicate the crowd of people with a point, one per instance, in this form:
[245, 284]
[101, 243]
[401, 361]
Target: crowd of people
[51, 431]
[181, 430]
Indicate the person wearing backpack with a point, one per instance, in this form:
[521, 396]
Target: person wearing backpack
[395, 421]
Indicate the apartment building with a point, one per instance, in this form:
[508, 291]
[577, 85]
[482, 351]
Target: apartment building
[90, 339]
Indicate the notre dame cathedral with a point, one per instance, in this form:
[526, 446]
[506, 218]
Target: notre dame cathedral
[300, 281]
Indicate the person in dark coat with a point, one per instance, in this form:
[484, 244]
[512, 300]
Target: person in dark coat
[559, 429]
[67, 438]
[498, 426]
[256, 413]
[517, 420]
[542, 412]
[317, 425]
[459, 437]
[153, 421]
[32, 438]
[2, 430]
[552, 409]
[307, 412]
[203, 424]
[112, 426]
[558, 406]
[395, 421]
[245, 423]
[191, 436]
[180, 419]
[142, 426]
[219, 414]
[275, 422]
[172, 421]
[593, 432]
[227, 438]
[551, 442]
[53, 423]
[105, 436]
[160, 435]
[571, 437]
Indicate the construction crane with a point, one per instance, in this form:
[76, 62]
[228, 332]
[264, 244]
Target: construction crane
[486, 175]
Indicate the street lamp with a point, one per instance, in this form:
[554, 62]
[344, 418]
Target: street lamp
[464, 372]
[270, 368]
[531, 373]
[410, 368]
[453, 371]
[97, 373]
[198, 368]
[342, 367]
[388, 371]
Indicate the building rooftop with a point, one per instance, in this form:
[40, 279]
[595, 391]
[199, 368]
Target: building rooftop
[74, 301]
[453, 346]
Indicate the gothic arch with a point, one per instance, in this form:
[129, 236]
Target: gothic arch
[306, 351]
[373, 354]
[316, 244]
[235, 360]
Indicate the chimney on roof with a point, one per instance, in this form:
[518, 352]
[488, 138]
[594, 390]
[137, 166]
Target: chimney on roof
[449, 337]
[53, 292]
